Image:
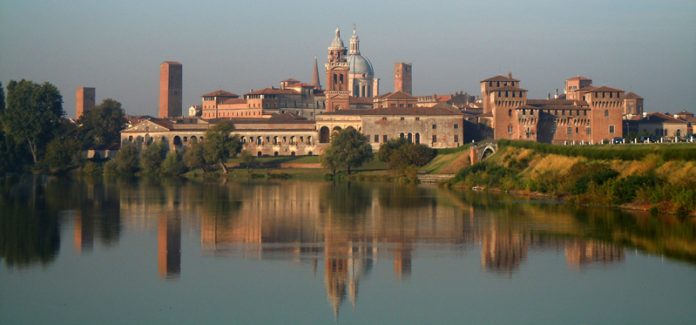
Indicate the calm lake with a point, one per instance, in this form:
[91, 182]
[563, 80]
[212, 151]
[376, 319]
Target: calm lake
[291, 252]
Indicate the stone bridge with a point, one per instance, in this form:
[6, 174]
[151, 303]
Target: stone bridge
[482, 150]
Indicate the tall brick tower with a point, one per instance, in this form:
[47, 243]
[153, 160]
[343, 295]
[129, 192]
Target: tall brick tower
[84, 100]
[337, 94]
[402, 78]
[170, 89]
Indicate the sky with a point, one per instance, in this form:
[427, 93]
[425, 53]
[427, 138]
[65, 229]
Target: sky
[644, 46]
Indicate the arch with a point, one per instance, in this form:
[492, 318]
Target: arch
[259, 154]
[309, 153]
[324, 134]
[292, 154]
[275, 153]
[309, 139]
[487, 152]
[275, 139]
[417, 138]
[410, 137]
[193, 139]
[177, 142]
[130, 138]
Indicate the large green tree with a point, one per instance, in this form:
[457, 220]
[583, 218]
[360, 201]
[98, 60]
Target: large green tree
[220, 145]
[348, 149]
[101, 126]
[400, 154]
[32, 114]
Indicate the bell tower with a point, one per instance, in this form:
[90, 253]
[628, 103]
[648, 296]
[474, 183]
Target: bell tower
[337, 94]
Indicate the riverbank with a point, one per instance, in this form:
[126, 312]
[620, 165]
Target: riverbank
[659, 179]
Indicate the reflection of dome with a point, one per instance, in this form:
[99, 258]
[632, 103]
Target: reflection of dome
[359, 64]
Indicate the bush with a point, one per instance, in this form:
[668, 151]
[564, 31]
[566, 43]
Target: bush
[193, 156]
[400, 154]
[172, 164]
[126, 161]
[151, 158]
[61, 154]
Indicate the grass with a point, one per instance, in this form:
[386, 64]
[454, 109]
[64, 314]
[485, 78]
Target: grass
[672, 151]
[448, 161]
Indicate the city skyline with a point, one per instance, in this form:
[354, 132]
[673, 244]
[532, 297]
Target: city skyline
[624, 43]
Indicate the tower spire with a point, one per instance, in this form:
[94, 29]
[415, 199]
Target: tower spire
[315, 75]
[354, 43]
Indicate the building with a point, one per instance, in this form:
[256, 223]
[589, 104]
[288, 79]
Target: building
[395, 100]
[337, 70]
[84, 100]
[437, 127]
[632, 104]
[586, 114]
[657, 125]
[361, 75]
[170, 94]
[403, 78]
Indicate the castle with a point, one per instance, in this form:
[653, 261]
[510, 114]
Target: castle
[299, 118]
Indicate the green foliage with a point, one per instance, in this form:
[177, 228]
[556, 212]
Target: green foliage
[61, 154]
[91, 168]
[172, 164]
[348, 149]
[220, 145]
[32, 115]
[610, 152]
[401, 155]
[151, 158]
[247, 159]
[101, 126]
[2, 98]
[126, 161]
[193, 156]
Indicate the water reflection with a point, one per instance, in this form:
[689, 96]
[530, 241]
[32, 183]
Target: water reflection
[342, 230]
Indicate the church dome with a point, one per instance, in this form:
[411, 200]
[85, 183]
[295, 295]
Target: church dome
[360, 65]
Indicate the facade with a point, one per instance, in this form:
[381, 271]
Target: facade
[170, 94]
[337, 69]
[361, 75]
[586, 114]
[632, 104]
[437, 127]
[403, 78]
[658, 125]
[84, 100]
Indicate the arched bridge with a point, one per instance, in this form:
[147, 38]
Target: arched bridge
[482, 150]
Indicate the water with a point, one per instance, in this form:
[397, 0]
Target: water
[287, 252]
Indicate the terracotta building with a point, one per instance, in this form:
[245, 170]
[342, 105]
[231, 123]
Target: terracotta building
[586, 114]
[403, 78]
[632, 104]
[84, 100]
[171, 83]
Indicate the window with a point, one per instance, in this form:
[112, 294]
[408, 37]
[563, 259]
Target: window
[401, 135]
[588, 131]
[384, 118]
[577, 130]
[510, 129]
[606, 113]
[456, 138]
[402, 118]
[570, 131]
[509, 112]
[611, 129]
[434, 126]
[417, 118]
[456, 125]
[434, 138]
[376, 138]
[384, 138]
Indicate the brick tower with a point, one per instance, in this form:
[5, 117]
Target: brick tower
[402, 78]
[84, 100]
[337, 94]
[170, 89]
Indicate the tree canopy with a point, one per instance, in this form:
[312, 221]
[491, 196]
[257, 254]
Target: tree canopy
[101, 126]
[220, 145]
[400, 154]
[32, 115]
[348, 149]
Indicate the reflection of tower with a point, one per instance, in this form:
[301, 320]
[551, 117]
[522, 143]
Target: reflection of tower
[169, 246]
[503, 250]
[402, 261]
[335, 276]
[337, 93]
[83, 235]
[581, 253]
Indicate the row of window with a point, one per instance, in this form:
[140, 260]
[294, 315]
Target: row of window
[276, 140]
[410, 137]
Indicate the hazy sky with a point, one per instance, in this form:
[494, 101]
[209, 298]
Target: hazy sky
[645, 46]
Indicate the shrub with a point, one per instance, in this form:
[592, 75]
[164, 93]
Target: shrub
[172, 164]
[193, 156]
[151, 158]
[126, 161]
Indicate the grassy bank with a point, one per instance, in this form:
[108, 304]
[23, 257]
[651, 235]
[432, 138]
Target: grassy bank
[659, 178]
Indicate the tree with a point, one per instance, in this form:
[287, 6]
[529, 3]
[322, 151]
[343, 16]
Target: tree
[32, 114]
[126, 161]
[61, 154]
[151, 157]
[172, 164]
[220, 145]
[348, 149]
[248, 160]
[400, 154]
[193, 156]
[101, 126]
[2, 99]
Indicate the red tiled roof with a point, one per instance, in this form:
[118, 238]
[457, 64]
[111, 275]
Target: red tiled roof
[273, 91]
[234, 101]
[219, 93]
[499, 78]
[422, 111]
[397, 95]
[662, 118]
